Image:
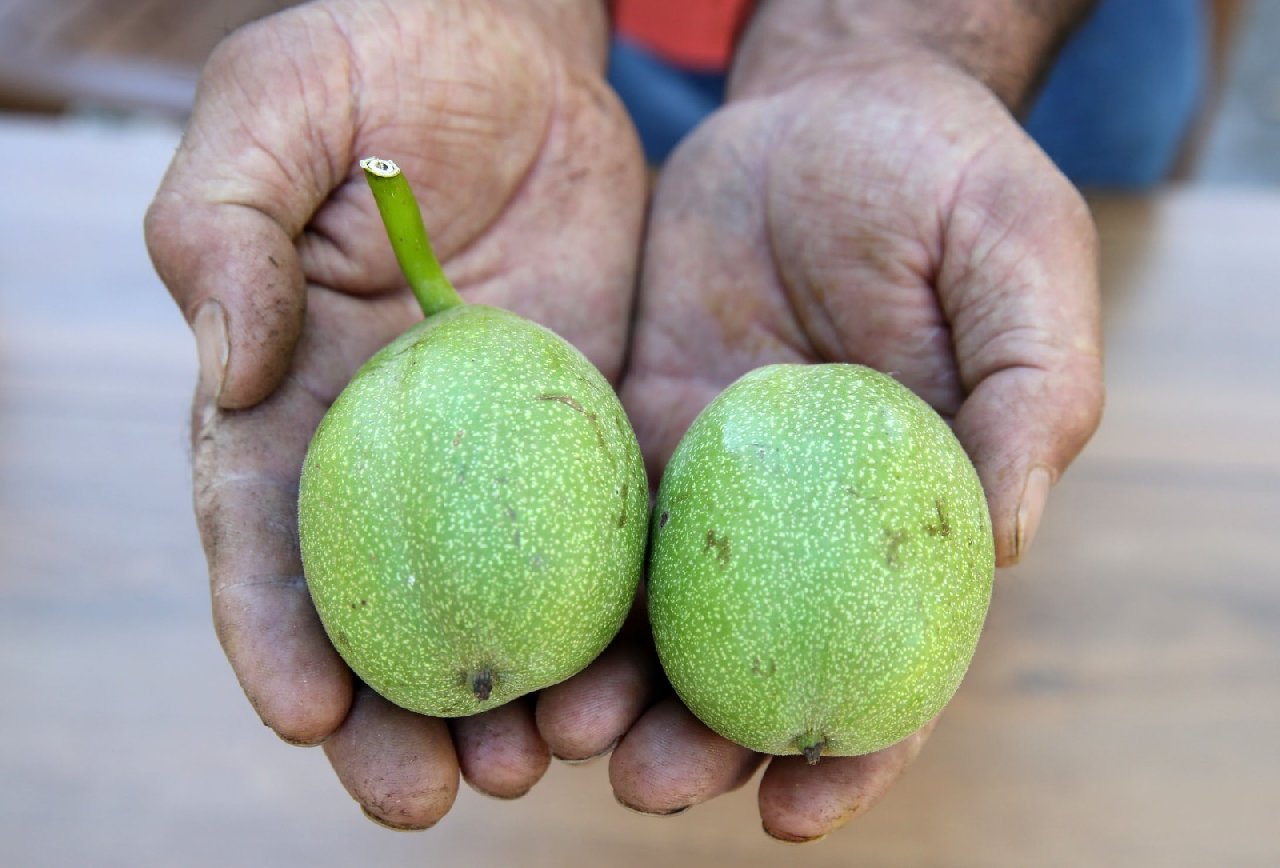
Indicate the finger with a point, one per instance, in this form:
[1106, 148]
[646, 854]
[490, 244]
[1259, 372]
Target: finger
[244, 181]
[1023, 427]
[585, 717]
[800, 802]
[499, 751]
[1021, 291]
[398, 765]
[236, 277]
[245, 470]
[669, 761]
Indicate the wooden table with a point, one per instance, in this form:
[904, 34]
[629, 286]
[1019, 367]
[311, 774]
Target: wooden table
[1123, 709]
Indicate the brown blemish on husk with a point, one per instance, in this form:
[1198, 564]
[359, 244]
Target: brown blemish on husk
[721, 546]
[941, 527]
[576, 405]
[893, 546]
[622, 516]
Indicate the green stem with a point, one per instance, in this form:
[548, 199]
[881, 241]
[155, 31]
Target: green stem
[408, 236]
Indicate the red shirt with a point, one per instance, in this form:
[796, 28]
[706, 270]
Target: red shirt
[698, 34]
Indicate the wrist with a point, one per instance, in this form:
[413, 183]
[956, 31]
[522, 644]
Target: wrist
[1007, 45]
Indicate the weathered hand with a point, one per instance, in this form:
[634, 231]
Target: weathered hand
[533, 189]
[891, 214]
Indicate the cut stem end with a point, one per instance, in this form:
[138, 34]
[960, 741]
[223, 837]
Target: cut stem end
[380, 167]
[408, 235]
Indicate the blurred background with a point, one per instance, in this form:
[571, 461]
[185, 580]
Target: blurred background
[128, 60]
[1119, 711]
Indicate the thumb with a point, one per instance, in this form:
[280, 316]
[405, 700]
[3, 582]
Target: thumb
[236, 277]
[1022, 427]
[1025, 312]
[247, 177]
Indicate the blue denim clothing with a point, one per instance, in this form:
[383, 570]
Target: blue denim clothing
[1113, 111]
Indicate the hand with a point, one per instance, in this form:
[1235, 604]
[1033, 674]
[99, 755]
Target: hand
[533, 189]
[891, 214]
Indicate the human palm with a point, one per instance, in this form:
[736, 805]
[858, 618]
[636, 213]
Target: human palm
[533, 190]
[894, 217]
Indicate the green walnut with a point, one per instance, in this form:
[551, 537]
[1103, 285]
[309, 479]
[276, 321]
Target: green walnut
[822, 562]
[473, 507]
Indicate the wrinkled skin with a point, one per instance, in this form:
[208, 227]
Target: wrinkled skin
[910, 227]
[533, 190]
[893, 216]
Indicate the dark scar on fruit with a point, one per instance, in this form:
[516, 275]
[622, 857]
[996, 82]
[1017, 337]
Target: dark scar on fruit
[893, 548]
[763, 671]
[567, 400]
[942, 527]
[662, 519]
[720, 544]
[574, 404]
[622, 516]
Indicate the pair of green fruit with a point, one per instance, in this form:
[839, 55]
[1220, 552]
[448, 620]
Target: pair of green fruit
[473, 520]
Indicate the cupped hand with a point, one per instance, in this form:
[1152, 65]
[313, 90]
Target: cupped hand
[533, 188]
[894, 215]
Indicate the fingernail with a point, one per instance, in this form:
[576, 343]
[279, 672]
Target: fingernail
[502, 797]
[669, 813]
[577, 761]
[212, 347]
[1035, 493]
[299, 742]
[387, 824]
[788, 838]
